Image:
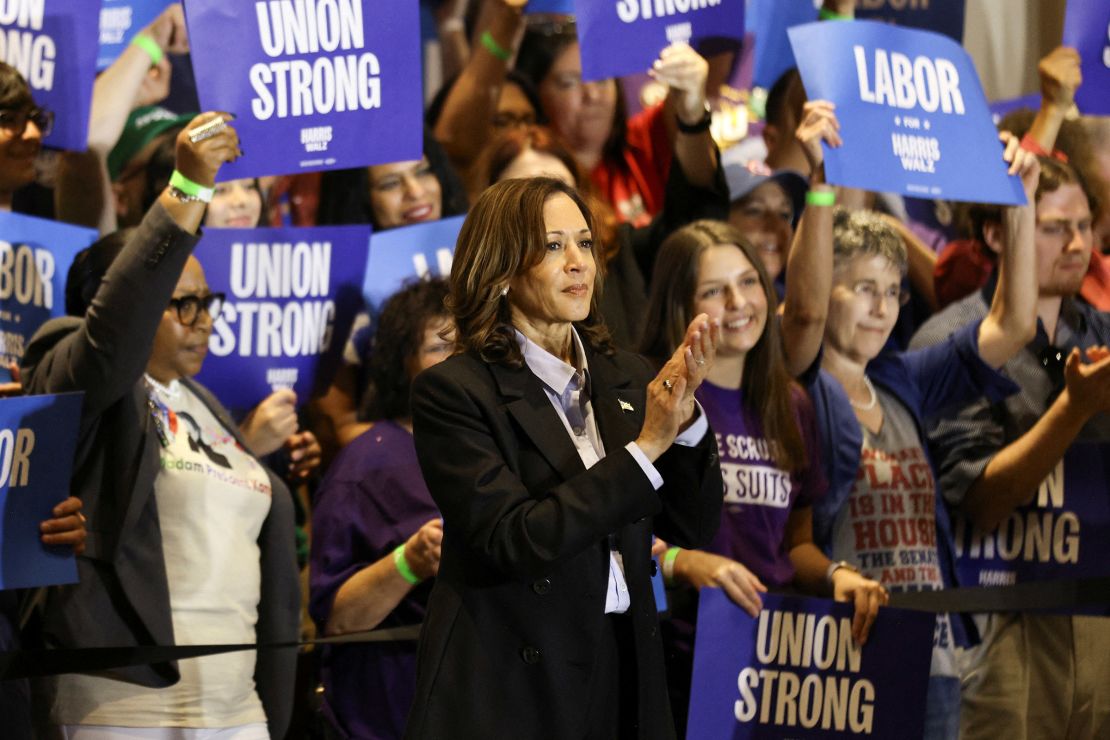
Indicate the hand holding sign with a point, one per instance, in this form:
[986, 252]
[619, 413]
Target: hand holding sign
[684, 71]
[200, 160]
[818, 125]
[271, 422]
[701, 569]
[866, 594]
[67, 527]
[168, 30]
[1023, 163]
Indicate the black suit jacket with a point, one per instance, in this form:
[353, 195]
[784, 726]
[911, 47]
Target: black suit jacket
[508, 646]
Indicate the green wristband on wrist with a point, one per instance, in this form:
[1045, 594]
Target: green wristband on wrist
[820, 198]
[668, 564]
[490, 43]
[832, 15]
[403, 567]
[178, 181]
[150, 46]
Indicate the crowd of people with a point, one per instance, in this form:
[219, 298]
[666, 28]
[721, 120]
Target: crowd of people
[651, 354]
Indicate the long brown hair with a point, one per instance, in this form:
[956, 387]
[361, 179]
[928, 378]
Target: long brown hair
[766, 385]
[502, 237]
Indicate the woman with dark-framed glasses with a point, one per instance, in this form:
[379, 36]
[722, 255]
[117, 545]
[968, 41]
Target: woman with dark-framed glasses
[191, 538]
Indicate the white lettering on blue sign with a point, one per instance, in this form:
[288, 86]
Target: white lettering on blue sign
[787, 700]
[630, 11]
[900, 82]
[328, 84]
[15, 456]
[114, 24]
[26, 275]
[33, 54]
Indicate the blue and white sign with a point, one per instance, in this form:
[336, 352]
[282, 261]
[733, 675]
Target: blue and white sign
[637, 30]
[794, 671]
[292, 295]
[120, 20]
[35, 255]
[410, 252]
[49, 42]
[1001, 108]
[315, 85]
[942, 16]
[561, 7]
[38, 439]
[1087, 28]
[769, 20]
[911, 109]
[1063, 534]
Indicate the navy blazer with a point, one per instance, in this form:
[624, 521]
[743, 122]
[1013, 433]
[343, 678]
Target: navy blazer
[509, 643]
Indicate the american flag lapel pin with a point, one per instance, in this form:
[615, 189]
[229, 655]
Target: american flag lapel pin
[625, 405]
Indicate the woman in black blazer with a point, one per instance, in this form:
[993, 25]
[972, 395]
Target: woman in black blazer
[553, 459]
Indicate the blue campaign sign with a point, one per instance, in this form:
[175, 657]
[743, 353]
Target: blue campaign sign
[1001, 108]
[1063, 534]
[912, 112]
[292, 294]
[120, 20]
[641, 29]
[315, 85]
[562, 7]
[942, 16]
[49, 42]
[408, 253]
[794, 672]
[35, 255]
[38, 439]
[769, 20]
[1087, 28]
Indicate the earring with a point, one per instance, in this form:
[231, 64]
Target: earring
[505, 291]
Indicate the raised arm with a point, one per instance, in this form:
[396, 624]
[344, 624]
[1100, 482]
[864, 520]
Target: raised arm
[1060, 77]
[1012, 320]
[810, 264]
[685, 72]
[108, 353]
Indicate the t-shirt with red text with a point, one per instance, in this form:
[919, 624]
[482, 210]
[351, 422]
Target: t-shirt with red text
[758, 494]
[888, 527]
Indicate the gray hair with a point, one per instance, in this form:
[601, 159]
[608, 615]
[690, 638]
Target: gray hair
[866, 234]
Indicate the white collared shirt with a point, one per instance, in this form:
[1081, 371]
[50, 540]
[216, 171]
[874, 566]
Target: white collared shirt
[563, 385]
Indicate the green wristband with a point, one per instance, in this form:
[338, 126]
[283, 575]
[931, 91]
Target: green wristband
[668, 564]
[150, 46]
[402, 566]
[495, 48]
[820, 198]
[832, 15]
[190, 188]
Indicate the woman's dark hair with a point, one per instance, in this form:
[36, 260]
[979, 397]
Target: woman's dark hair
[14, 90]
[542, 45]
[345, 194]
[502, 237]
[512, 77]
[767, 388]
[398, 338]
[89, 267]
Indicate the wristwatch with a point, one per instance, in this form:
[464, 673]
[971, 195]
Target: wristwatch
[834, 567]
[699, 126]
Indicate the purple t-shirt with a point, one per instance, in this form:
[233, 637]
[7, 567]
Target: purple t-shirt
[758, 494]
[372, 499]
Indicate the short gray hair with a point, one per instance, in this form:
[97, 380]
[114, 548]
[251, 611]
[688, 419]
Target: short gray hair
[866, 234]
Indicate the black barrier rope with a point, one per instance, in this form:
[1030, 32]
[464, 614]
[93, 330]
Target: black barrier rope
[32, 663]
[1034, 596]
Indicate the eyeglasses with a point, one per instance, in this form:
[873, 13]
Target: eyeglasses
[870, 292]
[1053, 359]
[188, 307]
[15, 121]
[514, 120]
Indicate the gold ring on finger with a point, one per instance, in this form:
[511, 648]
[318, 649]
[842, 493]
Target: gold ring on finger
[668, 384]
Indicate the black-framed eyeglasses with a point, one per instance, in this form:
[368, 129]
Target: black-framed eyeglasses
[188, 307]
[1053, 359]
[14, 120]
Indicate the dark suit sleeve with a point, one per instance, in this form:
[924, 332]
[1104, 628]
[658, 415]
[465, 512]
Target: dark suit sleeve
[464, 441]
[692, 494]
[108, 354]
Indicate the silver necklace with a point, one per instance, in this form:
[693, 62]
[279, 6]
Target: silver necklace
[870, 404]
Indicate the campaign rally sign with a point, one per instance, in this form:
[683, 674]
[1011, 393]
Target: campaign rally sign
[292, 294]
[1063, 534]
[38, 439]
[912, 112]
[35, 255]
[769, 20]
[1001, 108]
[942, 16]
[315, 85]
[120, 20]
[49, 42]
[1087, 28]
[408, 253]
[562, 7]
[794, 671]
[640, 29]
